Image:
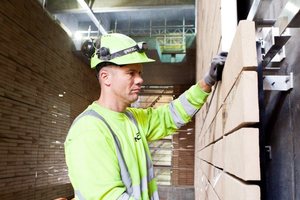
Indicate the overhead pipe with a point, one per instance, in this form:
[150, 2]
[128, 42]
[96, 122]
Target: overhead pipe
[90, 13]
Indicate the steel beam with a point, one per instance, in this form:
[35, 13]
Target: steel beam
[290, 16]
[92, 16]
[124, 9]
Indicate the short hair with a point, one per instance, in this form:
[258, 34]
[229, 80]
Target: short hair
[104, 64]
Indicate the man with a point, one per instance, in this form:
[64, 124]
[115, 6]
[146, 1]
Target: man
[106, 148]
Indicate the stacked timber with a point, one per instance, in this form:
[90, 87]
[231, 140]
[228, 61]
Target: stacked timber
[43, 86]
[227, 163]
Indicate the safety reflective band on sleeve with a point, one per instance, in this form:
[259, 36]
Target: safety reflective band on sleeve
[175, 115]
[155, 196]
[188, 107]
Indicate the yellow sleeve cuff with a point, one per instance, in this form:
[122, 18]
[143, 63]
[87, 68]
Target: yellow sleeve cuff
[196, 96]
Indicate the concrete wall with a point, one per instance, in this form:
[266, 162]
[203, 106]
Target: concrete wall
[43, 86]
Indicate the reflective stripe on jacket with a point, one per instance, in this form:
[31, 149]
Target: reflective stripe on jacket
[91, 151]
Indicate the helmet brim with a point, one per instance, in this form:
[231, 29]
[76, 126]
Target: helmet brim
[132, 58]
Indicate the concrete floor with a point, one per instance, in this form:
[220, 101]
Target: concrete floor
[176, 193]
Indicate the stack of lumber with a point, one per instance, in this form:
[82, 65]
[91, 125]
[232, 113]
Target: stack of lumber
[227, 164]
[183, 153]
[43, 86]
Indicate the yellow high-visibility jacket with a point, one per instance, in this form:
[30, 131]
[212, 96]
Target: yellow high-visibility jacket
[92, 155]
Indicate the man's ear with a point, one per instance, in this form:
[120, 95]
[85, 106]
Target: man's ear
[105, 76]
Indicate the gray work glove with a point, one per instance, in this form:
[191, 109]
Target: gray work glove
[216, 69]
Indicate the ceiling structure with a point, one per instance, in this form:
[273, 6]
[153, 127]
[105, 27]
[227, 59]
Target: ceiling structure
[168, 26]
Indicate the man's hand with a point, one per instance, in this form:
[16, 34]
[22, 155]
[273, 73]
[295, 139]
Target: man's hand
[216, 69]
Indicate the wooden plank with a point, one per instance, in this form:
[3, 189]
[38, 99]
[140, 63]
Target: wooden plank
[245, 35]
[241, 106]
[199, 119]
[215, 130]
[23, 48]
[213, 154]
[11, 186]
[183, 156]
[36, 67]
[242, 145]
[213, 105]
[211, 194]
[242, 154]
[204, 189]
[217, 29]
[225, 185]
[212, 173]
[234, 105]
[242, 55]
[232, 188]
[21, 14]
[209, 21]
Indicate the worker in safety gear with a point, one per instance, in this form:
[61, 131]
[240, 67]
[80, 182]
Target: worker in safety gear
[106, 148]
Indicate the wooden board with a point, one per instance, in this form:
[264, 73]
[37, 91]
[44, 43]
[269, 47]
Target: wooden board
[224, 185]
[241, 105]
[211, 172]
[241, 146]
[205, 188]
[213, 105]
[232, 188]
[213, 154]
[210, 23]
[245, 36]
[241, 56]
[214, 132]
[242, 154]
[227, 152]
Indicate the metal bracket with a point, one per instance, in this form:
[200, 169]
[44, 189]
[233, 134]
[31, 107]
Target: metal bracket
[273, 44]
[278, 82]
[269, 151]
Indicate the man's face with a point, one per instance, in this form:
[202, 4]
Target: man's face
[126, 82]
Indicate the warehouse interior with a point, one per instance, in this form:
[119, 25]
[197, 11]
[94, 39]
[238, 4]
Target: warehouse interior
[241, 145]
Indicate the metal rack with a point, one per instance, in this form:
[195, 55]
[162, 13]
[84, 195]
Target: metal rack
[271, 50]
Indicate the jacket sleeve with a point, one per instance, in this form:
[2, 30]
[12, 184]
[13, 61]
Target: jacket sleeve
[165, 120]
[92, 165]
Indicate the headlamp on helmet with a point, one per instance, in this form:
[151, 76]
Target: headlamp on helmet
[88, 48]
[115, 48]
